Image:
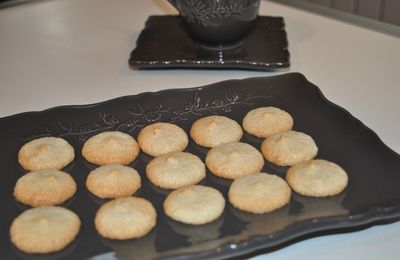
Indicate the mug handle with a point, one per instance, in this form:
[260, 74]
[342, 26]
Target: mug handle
[173, 2]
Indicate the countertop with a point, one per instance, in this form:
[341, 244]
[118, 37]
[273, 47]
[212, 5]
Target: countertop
[67, 52]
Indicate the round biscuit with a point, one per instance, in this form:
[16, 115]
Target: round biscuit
[125, 218]
[44, 188]
[113, 181]
[162, 138]
[234, 160]
[194, 204]
[110, 147]
[259, 193]
[289, 148]
[46, 153]
[175, 170]
[44, 229]
[317, 178]
[265, 121]
[212, 131]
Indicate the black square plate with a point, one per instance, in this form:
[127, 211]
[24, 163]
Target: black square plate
[165, 44]
[372, 195]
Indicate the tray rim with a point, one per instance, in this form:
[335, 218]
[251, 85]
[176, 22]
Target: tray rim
[375, 213]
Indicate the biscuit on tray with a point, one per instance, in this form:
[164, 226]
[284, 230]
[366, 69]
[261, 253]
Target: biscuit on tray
[259, 193]
[265, 121]
[44, 229]
[113, 181]
[46, 153]
[289, 148]
[175, 170]
[234, 160]
[194, 204]
[162, 138]
[44, 188]
[110, 147]
[211, 131]
[125, 218]
[317, 178]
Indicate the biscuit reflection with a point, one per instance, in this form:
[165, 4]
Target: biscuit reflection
[197, 234]
[100, 201]
[252, 139]
[219, 180]
[262, 224]
[199, 150]
[92, 166]
[312, 208]
[278, 170]
[68, 168]
[65, 204]
[139, 248]
[300, 208]
[165, 192]
[145, 157]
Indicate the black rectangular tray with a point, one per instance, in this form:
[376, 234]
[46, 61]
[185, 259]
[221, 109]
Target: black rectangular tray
[373, 168]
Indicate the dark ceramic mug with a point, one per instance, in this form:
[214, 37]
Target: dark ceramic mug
[218, 21]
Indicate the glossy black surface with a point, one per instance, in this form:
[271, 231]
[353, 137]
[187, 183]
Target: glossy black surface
[165, 43]
[373, 169]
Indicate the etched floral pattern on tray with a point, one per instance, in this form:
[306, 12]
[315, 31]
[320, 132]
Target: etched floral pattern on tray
[139, 116]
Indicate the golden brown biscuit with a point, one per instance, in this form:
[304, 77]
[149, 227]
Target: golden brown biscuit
[194, 204]
[110, 147]
[259, 193]
[125, 218]
[289, 148]
[46, 153]
[44, 188]
[265, 121]
[44, 229]
[113, 181]
[234, 160]
[317, 178]
[162, 138]
[212, 131]
[175, 170]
